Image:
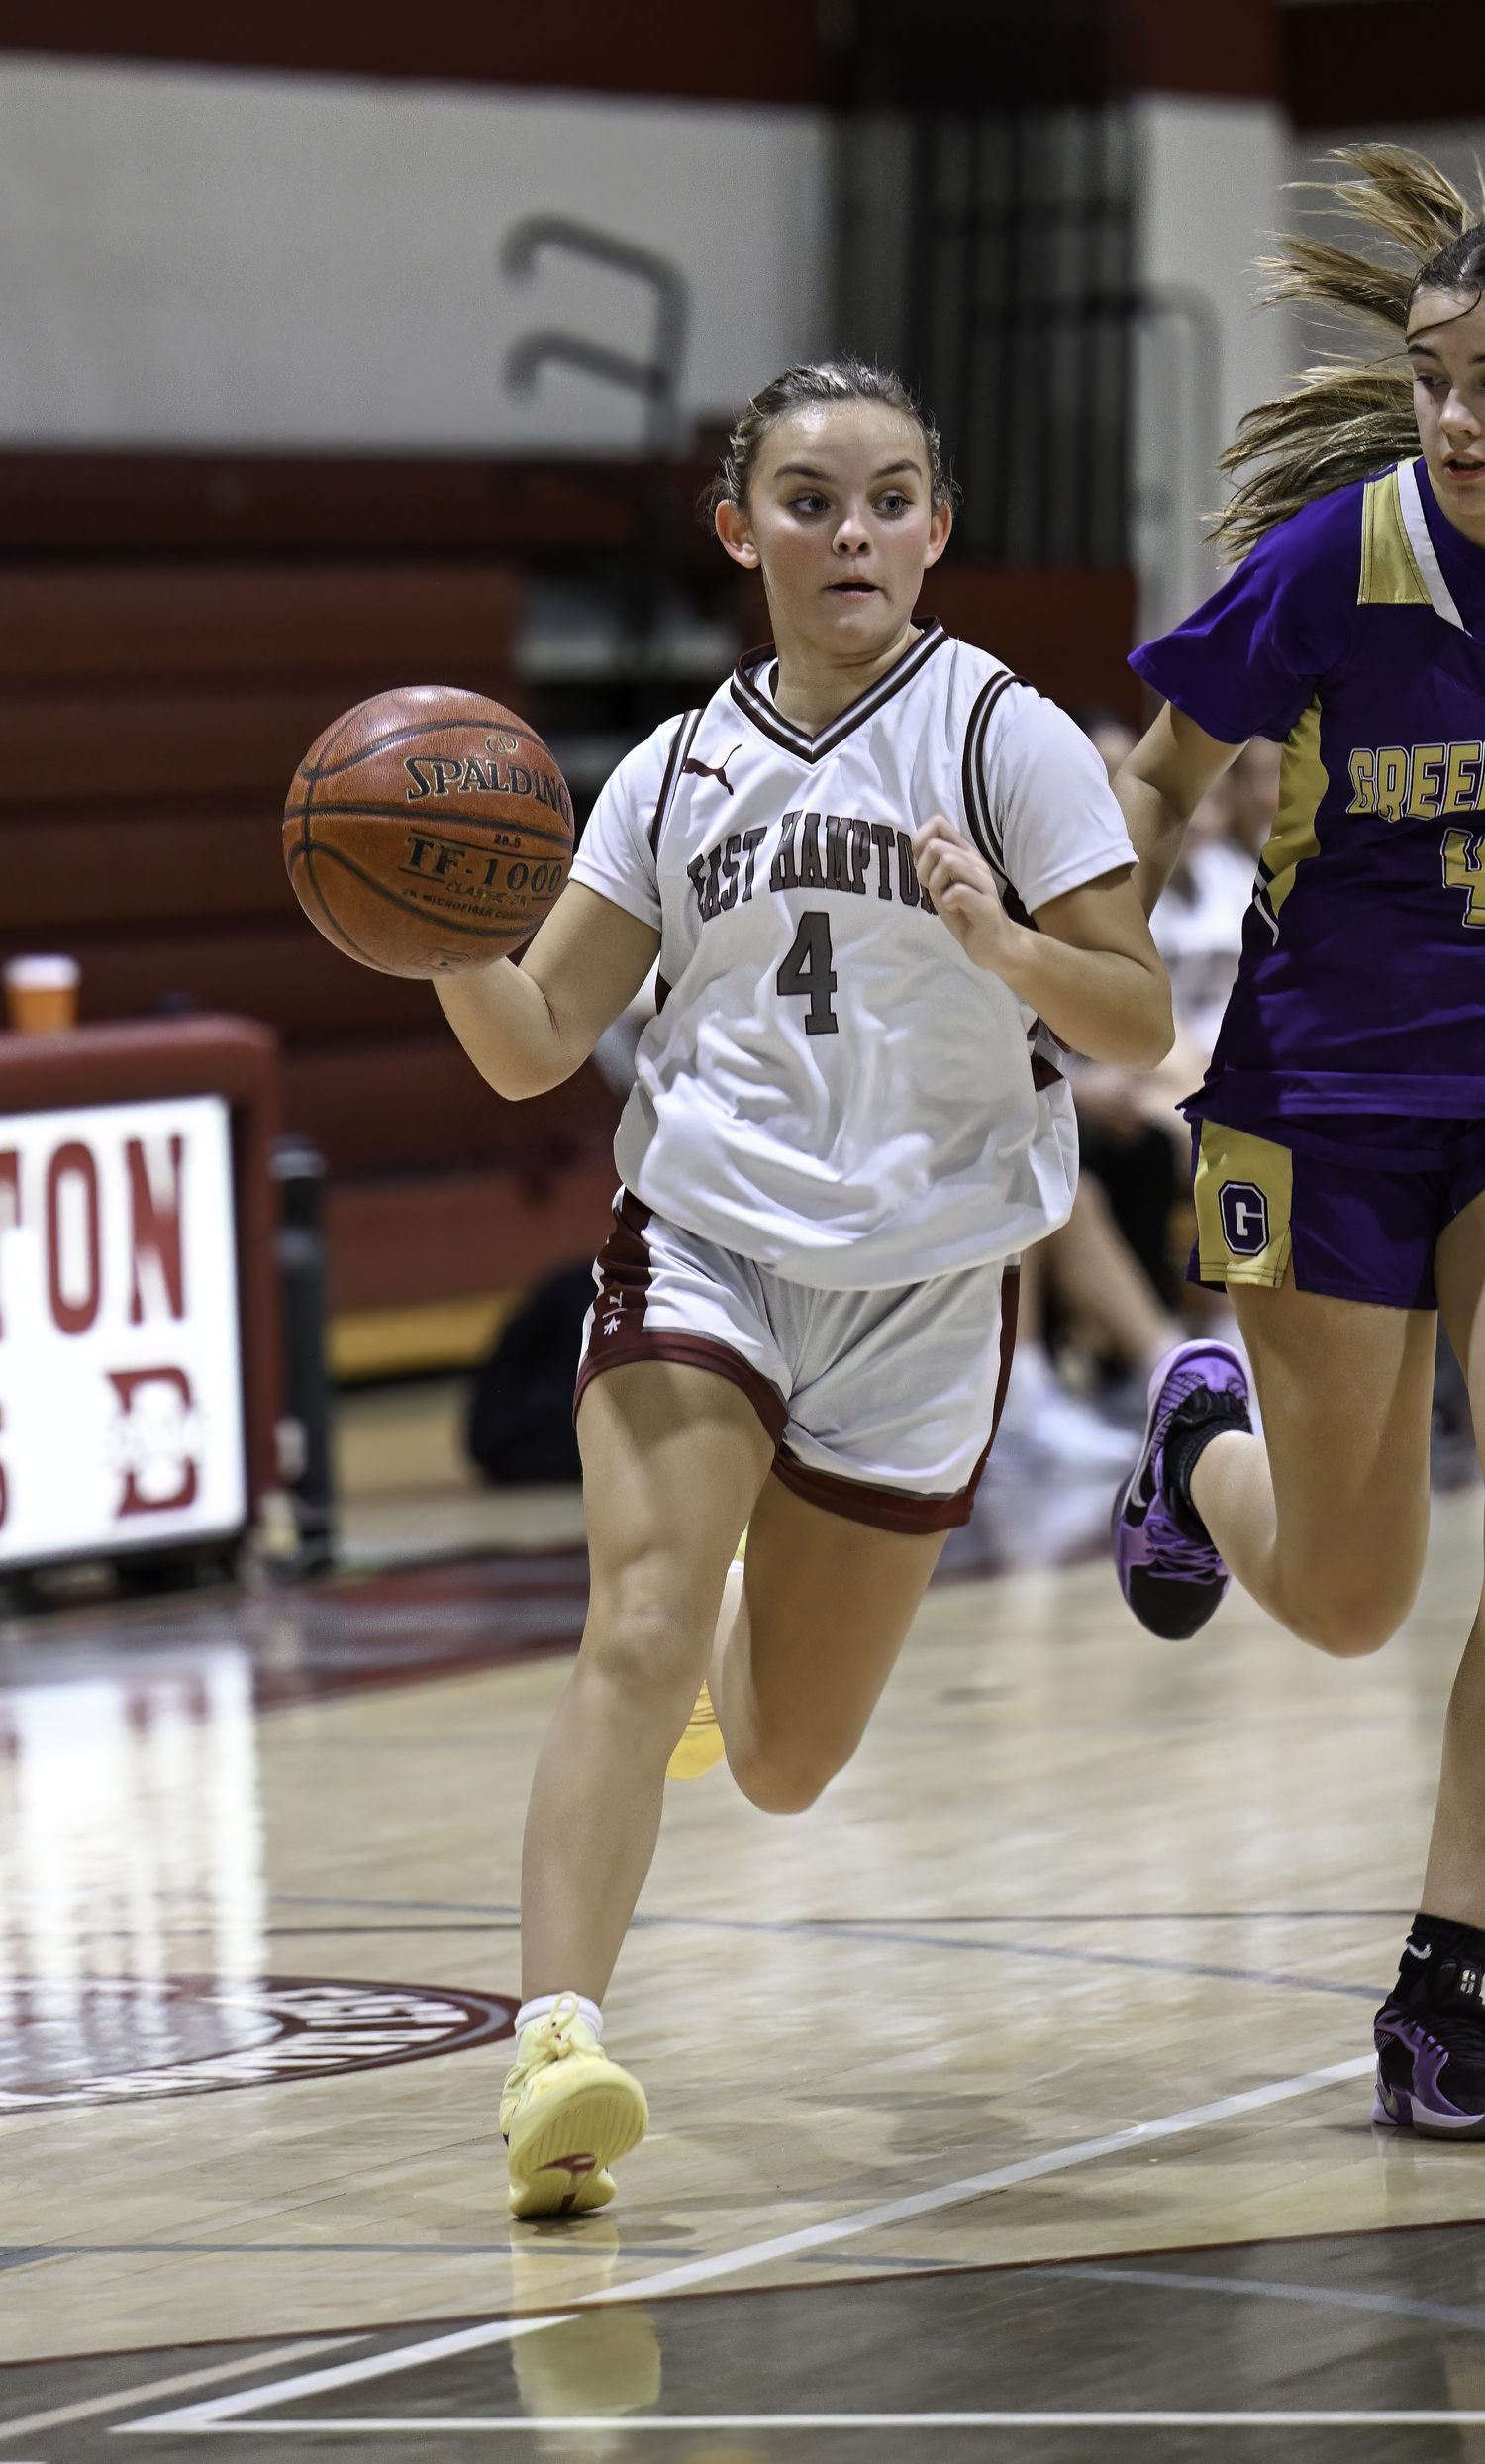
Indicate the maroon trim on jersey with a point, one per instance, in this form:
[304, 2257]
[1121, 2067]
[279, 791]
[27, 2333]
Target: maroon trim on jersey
[1010, 1310]
[898, 1509]
[984, 827]
[680, 744]
[766, 719]
[619, 1337]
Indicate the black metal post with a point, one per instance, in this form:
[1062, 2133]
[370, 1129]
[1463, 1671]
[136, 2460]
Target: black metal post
[303, 1459]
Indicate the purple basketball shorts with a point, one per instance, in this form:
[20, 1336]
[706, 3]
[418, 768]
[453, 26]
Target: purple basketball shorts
[1355, 1204]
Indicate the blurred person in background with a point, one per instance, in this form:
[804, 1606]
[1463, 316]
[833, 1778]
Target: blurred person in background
[1111, 1313]
[1103, 1279]
[1131, 1129]
[1199, 918]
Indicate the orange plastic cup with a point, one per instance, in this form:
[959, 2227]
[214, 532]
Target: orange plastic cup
[40, 995]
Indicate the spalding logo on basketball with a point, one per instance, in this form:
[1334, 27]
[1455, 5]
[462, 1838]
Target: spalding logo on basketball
[427, 830]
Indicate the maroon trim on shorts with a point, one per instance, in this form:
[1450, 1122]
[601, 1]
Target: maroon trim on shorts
[620, 1336]
[624, 1266]
[692, 1351]
[898, 1509]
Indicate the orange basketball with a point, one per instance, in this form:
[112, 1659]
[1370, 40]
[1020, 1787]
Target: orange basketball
[428, 829]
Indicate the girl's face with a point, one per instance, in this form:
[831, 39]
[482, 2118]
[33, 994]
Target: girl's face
[1447, 353]
[840, 520]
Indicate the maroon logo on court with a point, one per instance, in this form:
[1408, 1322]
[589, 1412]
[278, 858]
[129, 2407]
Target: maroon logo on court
[194, 2036]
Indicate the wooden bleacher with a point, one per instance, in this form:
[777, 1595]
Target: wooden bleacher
[151, 718]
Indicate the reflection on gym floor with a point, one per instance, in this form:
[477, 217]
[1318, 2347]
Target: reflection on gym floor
[131, 1853]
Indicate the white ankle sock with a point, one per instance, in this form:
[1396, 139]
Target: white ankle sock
[544, 2003]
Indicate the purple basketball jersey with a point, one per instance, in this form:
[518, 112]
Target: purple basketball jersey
[1354, 635]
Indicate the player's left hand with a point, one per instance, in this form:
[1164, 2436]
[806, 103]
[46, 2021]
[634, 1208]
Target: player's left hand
[964, 890]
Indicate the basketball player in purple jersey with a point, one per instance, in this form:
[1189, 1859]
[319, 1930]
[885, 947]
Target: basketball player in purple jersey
[1339, 1137]
[848, 1120]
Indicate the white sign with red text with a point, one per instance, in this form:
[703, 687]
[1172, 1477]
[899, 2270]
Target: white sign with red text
[121, 1415]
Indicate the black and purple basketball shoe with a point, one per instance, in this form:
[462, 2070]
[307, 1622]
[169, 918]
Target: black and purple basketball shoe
[1169, 1569]
[1431, 2035]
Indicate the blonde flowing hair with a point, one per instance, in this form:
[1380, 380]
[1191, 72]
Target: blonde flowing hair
[1353, 414]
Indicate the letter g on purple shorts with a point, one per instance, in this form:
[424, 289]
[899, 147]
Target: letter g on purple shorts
[1355, 1204]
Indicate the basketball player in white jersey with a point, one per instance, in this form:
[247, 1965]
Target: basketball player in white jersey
[884, 882]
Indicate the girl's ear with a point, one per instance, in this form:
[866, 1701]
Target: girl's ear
[735, 532]
[939, 526]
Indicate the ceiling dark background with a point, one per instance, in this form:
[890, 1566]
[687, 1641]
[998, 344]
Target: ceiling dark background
[1331, 63]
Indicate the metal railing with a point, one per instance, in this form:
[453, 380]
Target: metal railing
[656, 376]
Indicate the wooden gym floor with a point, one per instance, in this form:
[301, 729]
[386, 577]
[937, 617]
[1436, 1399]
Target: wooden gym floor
[1012, 2102]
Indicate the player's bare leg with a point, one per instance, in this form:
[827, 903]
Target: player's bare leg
[673, 1459]
[1324, 1521]
[1455, 1883]
[1326, 1525]
[1431, 2029]
[823, 1608]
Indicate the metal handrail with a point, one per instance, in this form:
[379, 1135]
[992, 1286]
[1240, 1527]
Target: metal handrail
[656, 379]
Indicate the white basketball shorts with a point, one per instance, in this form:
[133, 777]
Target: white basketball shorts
[882, 1405]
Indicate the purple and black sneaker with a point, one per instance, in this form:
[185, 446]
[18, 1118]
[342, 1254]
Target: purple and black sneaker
[1431, 2036]
[1169, 1569]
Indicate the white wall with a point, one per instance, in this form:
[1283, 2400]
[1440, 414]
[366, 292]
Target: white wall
[1457, 146]
[1209, 179]
[198, 257]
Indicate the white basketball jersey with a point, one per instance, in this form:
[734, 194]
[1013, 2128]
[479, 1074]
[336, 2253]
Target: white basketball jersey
[830, 1086]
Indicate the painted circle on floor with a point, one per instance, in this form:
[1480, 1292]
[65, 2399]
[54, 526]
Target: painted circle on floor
[115, 2041]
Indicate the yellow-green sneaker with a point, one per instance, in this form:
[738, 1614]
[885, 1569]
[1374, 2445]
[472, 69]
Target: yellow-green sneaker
[700, 1742]
[701, 1747]
[567, 2114]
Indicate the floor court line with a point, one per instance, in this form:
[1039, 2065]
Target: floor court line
[866, 1929]
[306, 2250]
[1329, 2297]
[590, 2423]
[979, 2184]
[320, 1933]
[797, 1924]
[217, 2413]
[436, 1907]
[221, 2412]
[1123, 1916]
[901, 1938]
[181, 2385]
